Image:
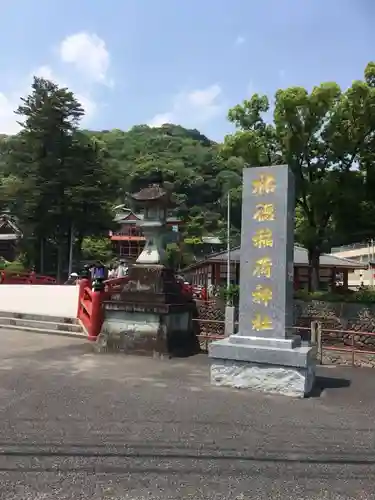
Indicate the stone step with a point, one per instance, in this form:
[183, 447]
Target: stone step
[40, 324]
[39, 317]
[62, 333]
[68, 327]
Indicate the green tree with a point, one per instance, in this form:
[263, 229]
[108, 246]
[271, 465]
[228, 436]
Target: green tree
[65, 178]
[321, 135]
[186, 159]
[41, 157]
[98, 249]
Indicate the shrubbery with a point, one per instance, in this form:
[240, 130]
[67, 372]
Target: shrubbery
[17, 266]
[365, 295]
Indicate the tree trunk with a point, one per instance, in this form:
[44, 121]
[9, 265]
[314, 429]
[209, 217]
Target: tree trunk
[314, 258]
[60, 253]
[78, 248]
[71, 249]
[41, 255]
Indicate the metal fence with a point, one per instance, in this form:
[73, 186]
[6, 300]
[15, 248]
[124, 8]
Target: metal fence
[326, 341]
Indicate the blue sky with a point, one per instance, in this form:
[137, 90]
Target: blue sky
[154, 61]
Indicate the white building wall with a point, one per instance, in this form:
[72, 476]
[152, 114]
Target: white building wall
[49, 300]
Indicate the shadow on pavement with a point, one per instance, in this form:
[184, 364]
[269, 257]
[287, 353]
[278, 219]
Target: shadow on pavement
[324, 383]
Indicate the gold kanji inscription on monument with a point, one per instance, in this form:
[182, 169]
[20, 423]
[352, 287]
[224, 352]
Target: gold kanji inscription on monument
[263, 268]
[263, 238]
[262, 295]
[266, 184]
[260, 323]
[264, 212]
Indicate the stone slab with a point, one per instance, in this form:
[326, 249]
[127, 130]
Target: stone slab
[287, 343]
[267, 251]
[298, 357]
[273, 379]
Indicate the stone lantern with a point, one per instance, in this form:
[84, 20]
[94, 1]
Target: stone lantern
[155, 202]
[151, 314]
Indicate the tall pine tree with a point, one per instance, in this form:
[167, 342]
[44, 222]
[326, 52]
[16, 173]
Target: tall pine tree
[65, 182]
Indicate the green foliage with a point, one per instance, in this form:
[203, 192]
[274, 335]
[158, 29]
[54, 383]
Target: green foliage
[55, 179]
[230, 294]
[185, 158]
[17, 266]
[98, 249]
[174, 256]
[59, 180]
[324, 136]
[3, 263]
[365, 296]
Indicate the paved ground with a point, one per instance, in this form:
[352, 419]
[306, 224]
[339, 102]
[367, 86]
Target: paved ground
[75, 425]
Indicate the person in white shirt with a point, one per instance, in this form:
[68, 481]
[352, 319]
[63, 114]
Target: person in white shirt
[111, 273]
[122, 270]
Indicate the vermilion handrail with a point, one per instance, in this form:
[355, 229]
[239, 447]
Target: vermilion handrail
[27, 278]
[90, 304]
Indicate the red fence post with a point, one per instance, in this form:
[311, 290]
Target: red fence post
[97, 315]
[83, 283]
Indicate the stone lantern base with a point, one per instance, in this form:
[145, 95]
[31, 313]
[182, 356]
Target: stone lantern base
[150, 315]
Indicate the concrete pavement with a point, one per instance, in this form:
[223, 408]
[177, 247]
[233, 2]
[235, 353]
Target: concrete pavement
[78, 425]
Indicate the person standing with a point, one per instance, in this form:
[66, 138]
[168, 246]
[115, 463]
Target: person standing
[122, 270]
[111, 272]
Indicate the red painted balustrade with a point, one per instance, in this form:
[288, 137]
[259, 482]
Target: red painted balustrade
[27, 278]
[90, 304]
[90, 310]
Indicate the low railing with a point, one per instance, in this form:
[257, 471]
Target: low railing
[315, 335]
[28, 278]
[343, 343]
[90, 310]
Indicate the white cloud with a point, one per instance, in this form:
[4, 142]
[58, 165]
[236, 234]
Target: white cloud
[8, 120]
[192, 108]
[88, 104]
[240, 40]
[46, 73]
[160, 119]
[88, 53]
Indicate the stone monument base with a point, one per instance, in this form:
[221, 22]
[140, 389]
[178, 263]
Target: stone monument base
[149, 316]
[277, 366]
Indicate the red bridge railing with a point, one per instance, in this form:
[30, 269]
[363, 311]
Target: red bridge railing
[90, 310]
[28, 278]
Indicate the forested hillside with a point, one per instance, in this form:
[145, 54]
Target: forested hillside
[185, 158]
[61, 182]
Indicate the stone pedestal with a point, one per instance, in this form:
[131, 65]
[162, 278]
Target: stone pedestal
[265, 355]
[267, 366]
[149, 316]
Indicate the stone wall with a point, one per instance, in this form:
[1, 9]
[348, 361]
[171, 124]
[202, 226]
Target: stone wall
[349, 316]
[213, 310]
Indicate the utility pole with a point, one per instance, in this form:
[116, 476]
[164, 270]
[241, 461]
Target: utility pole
[228, 247]
[71, 243]
[229, 308]
[371, 262]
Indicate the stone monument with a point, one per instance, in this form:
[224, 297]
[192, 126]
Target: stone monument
[265, 355]
[150, 314]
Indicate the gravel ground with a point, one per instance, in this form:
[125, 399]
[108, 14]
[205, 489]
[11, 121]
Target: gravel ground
[78, 425]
